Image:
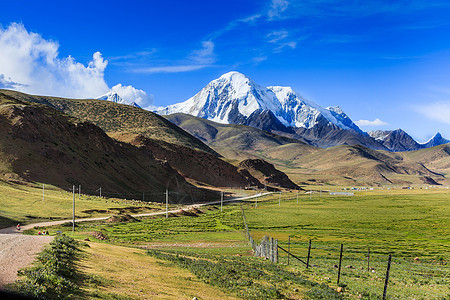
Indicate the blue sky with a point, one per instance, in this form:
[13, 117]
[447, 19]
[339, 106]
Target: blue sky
[385, 60]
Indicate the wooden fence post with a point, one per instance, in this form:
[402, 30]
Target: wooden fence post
[340, 262]
[309, 252]
[289, 248]
[387, 277]
[276, 250]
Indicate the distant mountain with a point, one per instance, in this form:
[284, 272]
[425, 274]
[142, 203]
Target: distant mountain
[395, 140]
[303, 163]
[114, 97]
[399, 140]
[436, 141]
[236, 99]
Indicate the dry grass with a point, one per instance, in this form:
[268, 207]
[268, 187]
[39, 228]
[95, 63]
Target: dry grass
[131, 273]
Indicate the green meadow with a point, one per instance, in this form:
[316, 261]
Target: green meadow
[25, 204]
[411, 225]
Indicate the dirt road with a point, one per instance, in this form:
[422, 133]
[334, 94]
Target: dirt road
[18, 251]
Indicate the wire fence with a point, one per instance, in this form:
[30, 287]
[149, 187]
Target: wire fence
[339, 262]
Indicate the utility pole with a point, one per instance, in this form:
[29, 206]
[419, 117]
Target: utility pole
[43, 193]
[167, 203]
[73, 210]
[100, 192]
[221, 201]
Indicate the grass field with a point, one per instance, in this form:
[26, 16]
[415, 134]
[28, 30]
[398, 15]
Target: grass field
[24, 204]
[404, 223]
[413, 226]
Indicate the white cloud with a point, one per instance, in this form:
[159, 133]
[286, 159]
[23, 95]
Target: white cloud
[277, 36]
[131, 94]
[376, 122]
[438, 111]
[31, 64]
[277, 7]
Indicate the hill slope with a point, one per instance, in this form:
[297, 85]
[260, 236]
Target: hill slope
[38, 143]
[115, 117]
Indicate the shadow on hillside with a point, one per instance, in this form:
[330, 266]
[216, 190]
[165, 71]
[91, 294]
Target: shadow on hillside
[6, 222]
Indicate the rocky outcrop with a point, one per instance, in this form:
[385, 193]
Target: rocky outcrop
[266, 173]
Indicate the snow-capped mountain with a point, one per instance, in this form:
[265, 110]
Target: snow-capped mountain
[395, 140]
[115, 97]
[436, 140]
[235, 99]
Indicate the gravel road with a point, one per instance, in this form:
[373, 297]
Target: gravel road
[18, 251]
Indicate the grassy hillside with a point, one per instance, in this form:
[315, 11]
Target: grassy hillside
[40, 144]
[114, 117]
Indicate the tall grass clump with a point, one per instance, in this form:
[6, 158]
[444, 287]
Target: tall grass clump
[53, 275]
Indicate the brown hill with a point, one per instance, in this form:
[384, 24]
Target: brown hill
[114, 117]
[166, 141]
[267, 174]
[38, 143]
[203, 167]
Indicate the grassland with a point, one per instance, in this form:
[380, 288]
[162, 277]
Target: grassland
[412, 225]
[25, 204]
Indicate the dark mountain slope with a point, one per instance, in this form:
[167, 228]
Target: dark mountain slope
[38, 143]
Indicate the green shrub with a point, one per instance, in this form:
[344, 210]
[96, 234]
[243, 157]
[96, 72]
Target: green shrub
[52, 277]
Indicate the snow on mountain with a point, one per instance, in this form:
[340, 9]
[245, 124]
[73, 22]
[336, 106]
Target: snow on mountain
[300, 112]
[436, 140]
[232, 93]
[379, 135]
[115, 97]
[234, 97]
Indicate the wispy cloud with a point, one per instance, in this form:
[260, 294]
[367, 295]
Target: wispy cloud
[437, 111]
[277, 8]
[205, 55]
[196, 60]
[280, 39]
[133, 56]
[170, 69]
[376, 122]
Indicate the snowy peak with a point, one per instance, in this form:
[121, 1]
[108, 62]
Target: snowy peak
[112, 96]
[234, 97]
[115, 97]
[379, 135]
[231, 97]
[436, 140]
